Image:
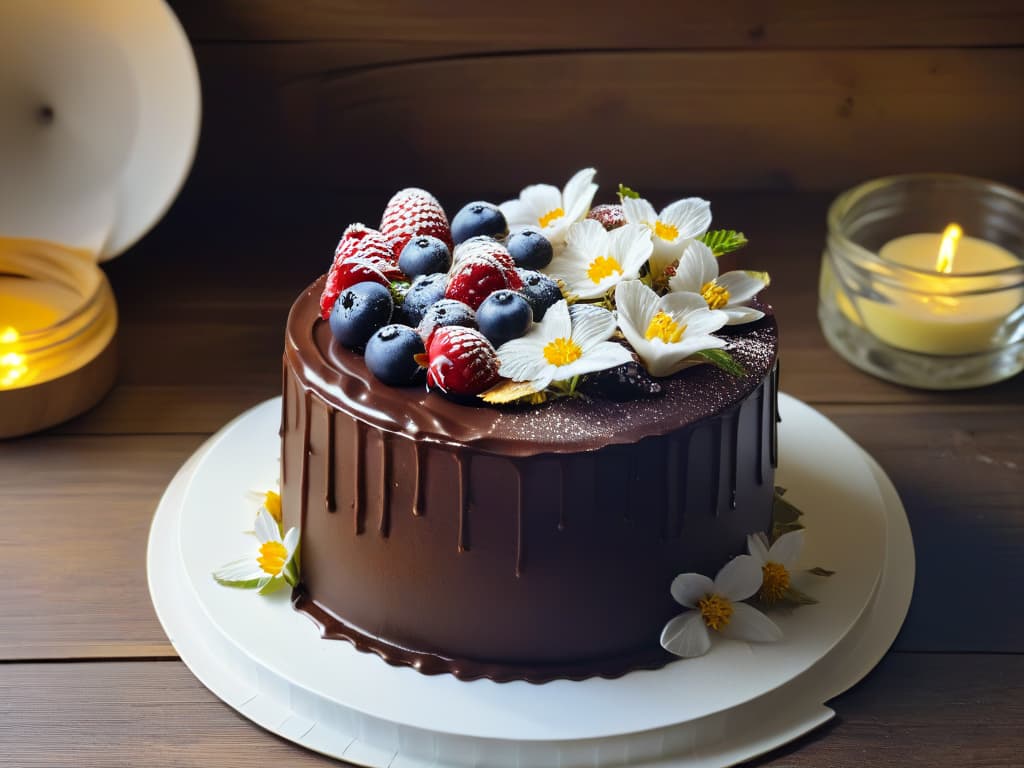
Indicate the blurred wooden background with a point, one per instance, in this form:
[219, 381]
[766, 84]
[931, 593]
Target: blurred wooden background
[693, 97]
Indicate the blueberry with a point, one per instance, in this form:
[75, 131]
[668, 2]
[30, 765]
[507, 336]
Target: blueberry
[478, 218]
[424, 291]
[530, 249]
[359, 311]
[446, 312]
[503, 316]
[540, 290]
[390, 355]
[423, 255]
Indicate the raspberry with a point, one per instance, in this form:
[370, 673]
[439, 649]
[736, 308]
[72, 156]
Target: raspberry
[608, 216]
[362, 255]
[413, 212]
[461, 361]
[484, 246]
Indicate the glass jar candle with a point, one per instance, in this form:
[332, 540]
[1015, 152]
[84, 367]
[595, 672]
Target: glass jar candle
[57, 325]
[922, 280]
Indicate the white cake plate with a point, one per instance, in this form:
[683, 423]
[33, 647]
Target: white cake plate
[739, 701]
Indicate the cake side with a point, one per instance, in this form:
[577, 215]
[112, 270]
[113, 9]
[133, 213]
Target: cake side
[516, 544]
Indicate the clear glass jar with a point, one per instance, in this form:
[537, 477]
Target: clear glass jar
[906, 321]
[58, 320]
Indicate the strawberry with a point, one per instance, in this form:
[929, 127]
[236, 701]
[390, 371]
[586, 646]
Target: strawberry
[481, 267]
[363, 254]
[413, 212]
[461, 361]
[609, 216]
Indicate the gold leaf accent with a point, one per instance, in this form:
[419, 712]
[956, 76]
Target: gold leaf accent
[508, 391]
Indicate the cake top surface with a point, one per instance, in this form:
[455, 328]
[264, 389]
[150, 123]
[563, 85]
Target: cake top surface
[340, 377]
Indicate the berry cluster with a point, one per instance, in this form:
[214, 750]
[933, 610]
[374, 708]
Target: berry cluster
[425, 299]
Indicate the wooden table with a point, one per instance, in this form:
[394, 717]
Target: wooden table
[88, 678]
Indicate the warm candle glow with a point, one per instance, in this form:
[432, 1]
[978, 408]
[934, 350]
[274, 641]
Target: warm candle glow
[9, 335]
[947, 250]
[12, 368]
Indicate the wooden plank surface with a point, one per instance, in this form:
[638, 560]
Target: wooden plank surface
[912, 710]
[291, 114]
[462, 27]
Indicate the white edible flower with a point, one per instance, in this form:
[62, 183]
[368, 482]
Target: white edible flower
[666, 330]
[715, 605]
[777, 562]
[672, 229]
[561, 347]
[549, 209]
[698, 273]
[273, 563]
[594, 260]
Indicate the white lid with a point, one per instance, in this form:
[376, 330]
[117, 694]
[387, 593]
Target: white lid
[99, 119]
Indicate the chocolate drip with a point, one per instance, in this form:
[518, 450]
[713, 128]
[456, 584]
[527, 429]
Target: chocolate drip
[776, 418]
[520, 533]
[385, 487]
[734, 456]
[716, 465]
[330, 497]
[358, 502]
[563, 493]
[306, 450]
[461, 472]
[673, 500]
[760, 435]
[419, 470]
[284, 422]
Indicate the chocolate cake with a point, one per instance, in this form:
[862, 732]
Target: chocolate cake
[522, 541]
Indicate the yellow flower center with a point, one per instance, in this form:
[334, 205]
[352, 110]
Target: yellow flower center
[715, 295]
[602, 267]
[663, 327]
[550, 216]
[774, 583]
[666, 231]
[272, 557]
[562, 351]
[272, 503]
[716, 610]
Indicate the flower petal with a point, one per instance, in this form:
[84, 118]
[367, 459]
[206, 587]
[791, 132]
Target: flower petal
[556, 323]
[685, 304]
[688, 588]
[739, 578]
[579, 194]
[691, 216]
[602, 356]
[239, 572]
[518, 214]
[540, 200]
[749, 624]
[639, 211]
[522, 359]
[701, 322]
[266, 527]
[786, 549]
[741, 285]
[741, 315]
[291, 540]
[686, 636]
[636, 304]
[631, 246]
[757, 545]
[591, 325]
[697, 266]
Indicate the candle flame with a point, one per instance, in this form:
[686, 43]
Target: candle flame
[9, 335]
[947, 250]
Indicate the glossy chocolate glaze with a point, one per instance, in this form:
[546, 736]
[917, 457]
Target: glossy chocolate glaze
[516, 543]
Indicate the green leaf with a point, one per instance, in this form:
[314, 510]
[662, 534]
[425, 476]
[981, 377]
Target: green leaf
[784, 512]
[244, 584]
[723, 360]
[722, 241]
[625, 191]
[398, 290]
[821, 571]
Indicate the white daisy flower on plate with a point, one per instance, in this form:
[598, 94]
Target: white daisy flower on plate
[715, 605]
[666, 330]
[561, 347]
[698, 273]
[777, 562]
[274, 562]
[550, 209]
[672, 229]
[594, 260]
